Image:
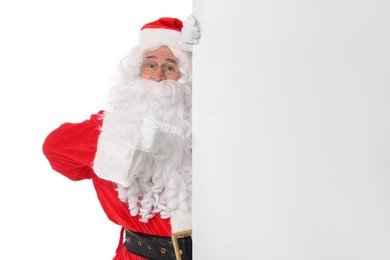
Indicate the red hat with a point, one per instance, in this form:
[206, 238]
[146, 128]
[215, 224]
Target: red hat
[164, 31]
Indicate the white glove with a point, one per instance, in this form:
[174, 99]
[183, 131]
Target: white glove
[190, 33]
[152, 133]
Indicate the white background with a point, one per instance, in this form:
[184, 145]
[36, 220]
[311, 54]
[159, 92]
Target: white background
[56, 60]
[291, 129]
[294, 155]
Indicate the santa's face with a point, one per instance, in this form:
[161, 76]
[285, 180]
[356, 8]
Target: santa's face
[159, 65]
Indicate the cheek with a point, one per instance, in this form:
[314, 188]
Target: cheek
[144, 75]
[174, 76]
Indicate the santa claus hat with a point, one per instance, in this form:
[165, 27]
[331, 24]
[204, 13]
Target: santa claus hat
[164, 31]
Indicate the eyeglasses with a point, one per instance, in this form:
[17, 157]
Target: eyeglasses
[150, 67]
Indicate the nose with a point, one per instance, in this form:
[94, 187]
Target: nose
[158, 75]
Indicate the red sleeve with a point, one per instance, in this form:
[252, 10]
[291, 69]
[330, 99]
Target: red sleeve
[71, 147]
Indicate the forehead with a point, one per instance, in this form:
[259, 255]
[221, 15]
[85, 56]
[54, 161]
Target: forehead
[162, 53]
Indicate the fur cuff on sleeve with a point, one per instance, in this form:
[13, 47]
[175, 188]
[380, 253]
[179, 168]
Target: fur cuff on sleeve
[116, 147]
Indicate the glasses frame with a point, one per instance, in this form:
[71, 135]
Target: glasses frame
[163, 67]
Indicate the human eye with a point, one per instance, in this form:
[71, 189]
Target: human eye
[150, 65]
[170, 67]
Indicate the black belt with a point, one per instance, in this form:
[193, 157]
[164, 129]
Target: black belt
[179, 246]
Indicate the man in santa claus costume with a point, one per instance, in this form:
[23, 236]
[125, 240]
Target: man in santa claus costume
[138, 154]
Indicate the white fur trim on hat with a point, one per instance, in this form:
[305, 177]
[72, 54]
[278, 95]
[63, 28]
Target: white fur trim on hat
[156, 37]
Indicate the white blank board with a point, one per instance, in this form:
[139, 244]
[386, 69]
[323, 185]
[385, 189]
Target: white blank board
[291, 128]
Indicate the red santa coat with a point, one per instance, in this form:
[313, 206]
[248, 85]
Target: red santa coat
[71, 150]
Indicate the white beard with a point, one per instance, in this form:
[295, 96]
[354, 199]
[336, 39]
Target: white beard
[157, 182]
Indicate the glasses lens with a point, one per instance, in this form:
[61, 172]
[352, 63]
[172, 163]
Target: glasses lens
[169, 68]
[150, 67]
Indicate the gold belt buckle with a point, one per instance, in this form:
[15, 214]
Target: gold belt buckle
[175, 237]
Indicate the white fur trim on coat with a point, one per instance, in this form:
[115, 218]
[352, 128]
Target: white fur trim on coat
[181, 221]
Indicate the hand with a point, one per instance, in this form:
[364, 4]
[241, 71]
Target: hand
[190, 33]
[152, 133]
